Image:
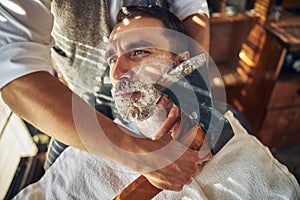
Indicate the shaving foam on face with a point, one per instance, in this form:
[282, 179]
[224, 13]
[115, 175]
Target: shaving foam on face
[144, 111]
[133, 109]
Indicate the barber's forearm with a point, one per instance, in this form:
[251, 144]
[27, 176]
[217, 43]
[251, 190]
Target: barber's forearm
[198, 28]
[42, 100]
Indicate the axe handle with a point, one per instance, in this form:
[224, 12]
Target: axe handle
[141, 188]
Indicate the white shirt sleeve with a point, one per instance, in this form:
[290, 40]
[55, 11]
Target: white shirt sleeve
[25, 38]
[185, 8]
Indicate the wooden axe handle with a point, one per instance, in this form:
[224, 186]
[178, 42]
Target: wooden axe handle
[140, 188]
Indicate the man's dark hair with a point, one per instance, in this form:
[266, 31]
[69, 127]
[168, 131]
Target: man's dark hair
[169, 20]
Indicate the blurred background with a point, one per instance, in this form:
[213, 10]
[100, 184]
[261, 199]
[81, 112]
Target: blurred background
[256, 46]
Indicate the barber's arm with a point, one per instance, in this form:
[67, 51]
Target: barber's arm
[197, 26]
[34, 94]
[195, 16]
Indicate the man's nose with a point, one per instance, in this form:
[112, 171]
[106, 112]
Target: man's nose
[122, 69]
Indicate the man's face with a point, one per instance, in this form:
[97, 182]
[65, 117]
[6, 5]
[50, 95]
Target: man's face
[138, 54]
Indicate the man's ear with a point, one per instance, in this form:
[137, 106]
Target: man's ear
[182, 57]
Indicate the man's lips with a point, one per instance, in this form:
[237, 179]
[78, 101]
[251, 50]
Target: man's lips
[129, 94]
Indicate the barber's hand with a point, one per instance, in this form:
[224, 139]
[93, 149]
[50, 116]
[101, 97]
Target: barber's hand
[179, 173]
[172, 123]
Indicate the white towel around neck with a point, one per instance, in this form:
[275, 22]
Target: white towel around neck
[243, 169]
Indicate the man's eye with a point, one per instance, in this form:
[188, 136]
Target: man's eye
[112, 60]
[139, 52]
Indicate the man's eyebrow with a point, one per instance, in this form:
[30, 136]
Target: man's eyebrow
[109, 53]
[130, 46]
[138, 44]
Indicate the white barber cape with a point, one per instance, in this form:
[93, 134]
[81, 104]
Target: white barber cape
[243, 169]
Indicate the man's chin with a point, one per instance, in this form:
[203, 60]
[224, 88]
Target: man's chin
[149, 127]
[130, 112]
